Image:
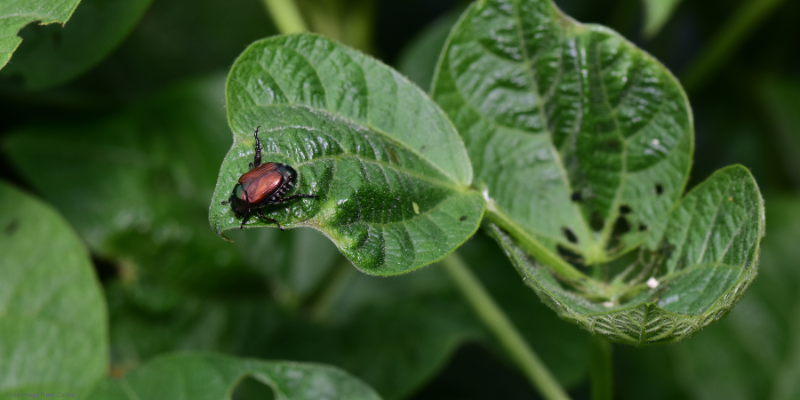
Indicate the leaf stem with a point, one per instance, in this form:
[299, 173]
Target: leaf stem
[533, 247]
[508, 336]
[746, 18]
[286, 16]
[600, 368]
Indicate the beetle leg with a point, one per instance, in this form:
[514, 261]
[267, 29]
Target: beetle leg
[226, 202]
[261, 214]
[257, 155]
[246, 217]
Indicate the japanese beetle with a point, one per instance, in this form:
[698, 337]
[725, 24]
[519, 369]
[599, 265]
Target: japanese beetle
[262, 185]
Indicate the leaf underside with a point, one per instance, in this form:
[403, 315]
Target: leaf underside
[706, 256]
[390, 171]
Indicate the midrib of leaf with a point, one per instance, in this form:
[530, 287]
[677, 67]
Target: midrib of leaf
[596, 247]
[450, 185]
[366, 96]
[546, 120]
[367, 126]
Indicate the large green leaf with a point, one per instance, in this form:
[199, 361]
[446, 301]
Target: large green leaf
[390, 171]
[213, 377]
[14, 14]
[54, 54]
[135, 185]
[52, 314]
[697, 265]
[581, 139]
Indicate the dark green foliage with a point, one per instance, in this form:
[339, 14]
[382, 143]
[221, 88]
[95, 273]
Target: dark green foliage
[567, 142]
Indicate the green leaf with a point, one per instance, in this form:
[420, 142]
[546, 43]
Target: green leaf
[138, 196]
[701, 260]
[15, 14]
[568, 125]
[52, 315]
[208, 376]
[657, 13]
[761, 337]
[54, 54]
[391, 172]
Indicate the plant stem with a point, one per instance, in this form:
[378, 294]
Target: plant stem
[600, 368]
[748, 16]
[534, 248]
[286, 16]
[508, 336]
[321, 307]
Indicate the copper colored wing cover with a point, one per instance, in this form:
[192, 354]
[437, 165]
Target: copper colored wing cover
[263, 186]
[257, 172]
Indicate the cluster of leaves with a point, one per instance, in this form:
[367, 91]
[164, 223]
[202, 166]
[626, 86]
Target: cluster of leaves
[568, 143]
[580, 143]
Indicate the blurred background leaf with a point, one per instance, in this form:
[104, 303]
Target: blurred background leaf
[656, 14]
[211, 376]
[15, 14]
[52, 315]
[54, 54]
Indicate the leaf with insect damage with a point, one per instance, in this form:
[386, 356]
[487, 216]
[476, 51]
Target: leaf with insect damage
[584, 144]
[694, 267]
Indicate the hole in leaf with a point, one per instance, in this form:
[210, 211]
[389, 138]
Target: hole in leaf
[570, 256]
[642, 227]
[569, 235]
[576, 196]
[659, 189]
[625, 209]
[251, 389]
[463, 218]
[596, 221]
[621, 227]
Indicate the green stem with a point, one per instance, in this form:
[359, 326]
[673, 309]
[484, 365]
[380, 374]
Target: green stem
[508, 336]
[534, 248]
[320, 309]
[600, 368]
[286, 16]
[749, 15]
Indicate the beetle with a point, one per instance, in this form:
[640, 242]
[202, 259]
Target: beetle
[263, 185]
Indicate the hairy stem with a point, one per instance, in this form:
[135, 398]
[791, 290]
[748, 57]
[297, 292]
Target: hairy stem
[600, 368]
[534, 248]
[508, 336]
[286, 16]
